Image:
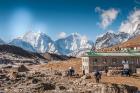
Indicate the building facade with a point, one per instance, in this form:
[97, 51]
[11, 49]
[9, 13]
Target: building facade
[99, 61]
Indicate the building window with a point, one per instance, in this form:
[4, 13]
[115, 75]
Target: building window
[132, 48]
[114, 60]
[138, 62]
[104, 60]
[85, 67]
[94, 63]
[85, 59]
[96, 60]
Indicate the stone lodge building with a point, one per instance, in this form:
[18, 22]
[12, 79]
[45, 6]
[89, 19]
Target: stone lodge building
[92, 61]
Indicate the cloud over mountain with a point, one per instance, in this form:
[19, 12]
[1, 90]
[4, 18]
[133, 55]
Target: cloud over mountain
[106, 16]
[62, 35]
[130, 25]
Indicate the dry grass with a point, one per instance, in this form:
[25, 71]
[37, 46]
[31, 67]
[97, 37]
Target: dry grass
[64, 65]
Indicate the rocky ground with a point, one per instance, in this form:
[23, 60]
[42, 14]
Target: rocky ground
[51, 78]
[54, 81]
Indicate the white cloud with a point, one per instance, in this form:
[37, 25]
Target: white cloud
[130, 25]
[62, 35]
[106, 16]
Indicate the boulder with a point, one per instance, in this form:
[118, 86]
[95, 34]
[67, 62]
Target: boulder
[62, 87]
[114, 73]
[2, 76]
[87, 76]
[22, 68]
[115, 88]
[57, 73]
[34, 80]
[45, 86]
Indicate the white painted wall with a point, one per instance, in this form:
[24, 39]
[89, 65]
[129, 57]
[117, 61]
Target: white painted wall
[85, 64]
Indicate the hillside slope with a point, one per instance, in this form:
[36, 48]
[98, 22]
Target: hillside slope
[18, 51]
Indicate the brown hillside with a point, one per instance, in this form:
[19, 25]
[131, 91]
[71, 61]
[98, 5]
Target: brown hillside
[132, 42]
[51, 56]
[18, 51]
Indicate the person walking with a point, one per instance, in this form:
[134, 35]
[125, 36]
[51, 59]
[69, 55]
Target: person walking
[106, 70]
[83, 72]
[71, 71]
[97, 76]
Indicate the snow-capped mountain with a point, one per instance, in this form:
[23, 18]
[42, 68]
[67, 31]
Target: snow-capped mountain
[130, 26]
[23, 44]
[110, 39]
[1, 41]
[39, 41]
[72, 43]
[78, 53]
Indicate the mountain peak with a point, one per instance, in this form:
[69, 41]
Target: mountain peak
[34, 33]
[110, 31]
[38, 40]
[75, 34]
[109, 39]
[74, 42]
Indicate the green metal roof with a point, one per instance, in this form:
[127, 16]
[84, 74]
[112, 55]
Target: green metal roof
[92, 53]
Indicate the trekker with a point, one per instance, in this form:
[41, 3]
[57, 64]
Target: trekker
[97, 76]
[106, 70]
[83, 72]
[126, 72]
[71, 71]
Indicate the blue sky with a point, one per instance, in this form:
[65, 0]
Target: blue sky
[54, 17]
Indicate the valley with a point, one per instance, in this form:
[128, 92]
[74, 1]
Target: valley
[51, 78]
